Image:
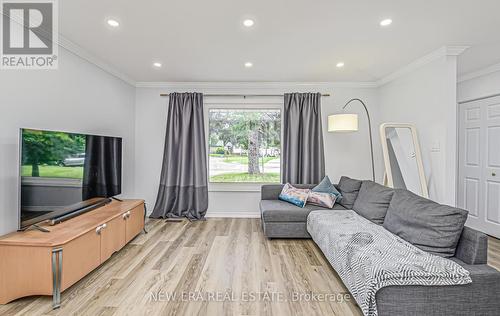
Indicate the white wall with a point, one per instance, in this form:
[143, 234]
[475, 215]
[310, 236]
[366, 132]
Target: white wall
[427, 98]
[479, 87]
[346, 154]
[77, 97]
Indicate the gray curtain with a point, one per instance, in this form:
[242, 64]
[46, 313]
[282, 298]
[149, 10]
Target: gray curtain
[183, 188]
[303, 155]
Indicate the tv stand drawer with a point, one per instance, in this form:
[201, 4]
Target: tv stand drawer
[112, 237]
[134, 222]
[79, 257]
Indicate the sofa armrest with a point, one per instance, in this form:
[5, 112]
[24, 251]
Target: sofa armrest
[472, 247]
[270, 191]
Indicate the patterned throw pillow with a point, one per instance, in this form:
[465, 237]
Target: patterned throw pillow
[321, 199]
[326, 186]
[294, 195]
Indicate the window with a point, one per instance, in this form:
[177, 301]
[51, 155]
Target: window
[244, 145]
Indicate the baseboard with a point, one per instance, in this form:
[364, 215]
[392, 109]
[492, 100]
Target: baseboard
[235, 214]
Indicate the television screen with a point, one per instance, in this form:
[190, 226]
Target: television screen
[63, 172]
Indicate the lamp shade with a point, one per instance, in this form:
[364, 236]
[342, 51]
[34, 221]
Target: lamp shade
[343, 123]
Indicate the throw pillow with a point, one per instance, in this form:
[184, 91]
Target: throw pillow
[326, 186]
[294, 195]
[321, 199]
[349, 189]
[373, 201]
[430, 226]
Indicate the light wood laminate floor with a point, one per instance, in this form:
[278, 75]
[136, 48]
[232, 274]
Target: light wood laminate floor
[214, 267]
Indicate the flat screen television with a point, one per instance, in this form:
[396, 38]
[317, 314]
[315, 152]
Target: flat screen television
[62, 173]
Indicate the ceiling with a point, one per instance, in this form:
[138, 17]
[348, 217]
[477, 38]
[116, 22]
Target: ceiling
[292, 40]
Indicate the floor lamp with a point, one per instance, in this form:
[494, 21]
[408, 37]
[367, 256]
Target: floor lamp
[349, 123]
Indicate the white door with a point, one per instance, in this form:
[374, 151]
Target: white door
[479, 164]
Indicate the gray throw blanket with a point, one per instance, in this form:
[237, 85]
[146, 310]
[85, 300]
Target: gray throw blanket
[368, 257]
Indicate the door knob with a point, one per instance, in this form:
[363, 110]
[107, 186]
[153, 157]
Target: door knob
[124, 216]
[494, 174]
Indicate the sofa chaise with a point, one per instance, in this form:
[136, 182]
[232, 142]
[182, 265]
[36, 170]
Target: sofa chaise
[481, 297]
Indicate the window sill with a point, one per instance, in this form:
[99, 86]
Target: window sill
[51, 182]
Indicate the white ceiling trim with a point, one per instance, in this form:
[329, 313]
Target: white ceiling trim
[422, 61]
[479, 73]
[455, 50]
[238, 86]
[83, 54]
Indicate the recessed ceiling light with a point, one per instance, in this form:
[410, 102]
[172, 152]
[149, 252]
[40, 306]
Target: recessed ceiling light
[340, 65]
[386, 22]
[248, 64]
[157, 65]
[248, 22]
[113, 23]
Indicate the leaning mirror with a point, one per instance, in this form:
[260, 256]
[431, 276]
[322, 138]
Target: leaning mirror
[403, 158]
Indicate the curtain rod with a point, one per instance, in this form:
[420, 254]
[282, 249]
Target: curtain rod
[241, 95]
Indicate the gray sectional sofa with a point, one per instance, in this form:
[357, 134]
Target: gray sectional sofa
[481, 297]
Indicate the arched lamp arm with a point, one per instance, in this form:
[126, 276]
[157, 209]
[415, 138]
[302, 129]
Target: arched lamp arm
[369, 130]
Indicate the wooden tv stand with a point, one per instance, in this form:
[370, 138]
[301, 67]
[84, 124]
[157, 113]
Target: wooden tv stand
[32, 261]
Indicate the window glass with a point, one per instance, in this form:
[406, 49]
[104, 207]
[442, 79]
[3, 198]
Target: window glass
[244, 145]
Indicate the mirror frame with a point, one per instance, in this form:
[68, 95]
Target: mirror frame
[418, 155]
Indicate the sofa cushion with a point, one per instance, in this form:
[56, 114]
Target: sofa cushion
[373, 201]
[430, 226]
[321, 199]
[326, 186]
[294, 195]
[349, 189]
[272, 191]
[280, 211]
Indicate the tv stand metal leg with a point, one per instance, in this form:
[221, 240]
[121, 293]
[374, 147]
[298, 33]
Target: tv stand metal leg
[145, 212]
[35, 226]
[56, 277]
[44, 230]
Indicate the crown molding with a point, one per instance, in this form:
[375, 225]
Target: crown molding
[85, 55]
[209, 86]
[479, 73]
[422, 61]
[455, 50]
